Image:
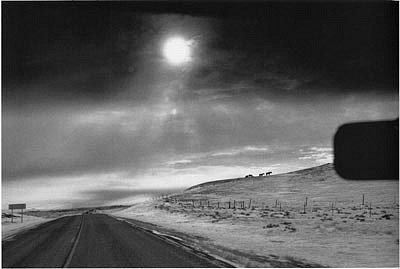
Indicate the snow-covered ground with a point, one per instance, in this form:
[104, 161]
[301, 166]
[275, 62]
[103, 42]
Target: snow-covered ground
[274, 230]
[8, 229]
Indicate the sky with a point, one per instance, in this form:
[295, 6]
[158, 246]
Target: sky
[94, 113]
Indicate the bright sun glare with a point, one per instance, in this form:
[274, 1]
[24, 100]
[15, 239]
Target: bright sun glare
[177, 50]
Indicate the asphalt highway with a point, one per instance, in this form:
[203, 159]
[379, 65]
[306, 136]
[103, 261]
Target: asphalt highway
[94, 240]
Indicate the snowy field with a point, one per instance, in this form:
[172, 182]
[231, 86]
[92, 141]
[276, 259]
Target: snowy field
[8, 229]
[269, 222]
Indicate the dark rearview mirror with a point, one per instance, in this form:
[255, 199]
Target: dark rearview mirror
[367, 150]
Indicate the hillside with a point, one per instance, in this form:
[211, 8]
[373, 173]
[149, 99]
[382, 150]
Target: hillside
[321, 185]
[310, 171]
[310, 217]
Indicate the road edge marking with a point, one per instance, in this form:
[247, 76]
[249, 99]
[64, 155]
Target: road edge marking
[71, 253]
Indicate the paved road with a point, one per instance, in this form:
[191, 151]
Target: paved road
[102, 242]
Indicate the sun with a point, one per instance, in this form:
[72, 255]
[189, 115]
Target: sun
[177, 50]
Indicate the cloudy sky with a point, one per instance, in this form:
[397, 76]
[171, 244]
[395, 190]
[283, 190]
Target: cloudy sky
[94, 113]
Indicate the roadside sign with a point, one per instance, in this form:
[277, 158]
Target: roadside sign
[17, 206]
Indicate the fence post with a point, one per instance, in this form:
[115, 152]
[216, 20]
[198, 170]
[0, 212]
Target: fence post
[370, 208]
[234, 204]
[363, 199]
[250, 204]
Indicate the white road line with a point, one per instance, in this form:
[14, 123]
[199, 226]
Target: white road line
[71, 254]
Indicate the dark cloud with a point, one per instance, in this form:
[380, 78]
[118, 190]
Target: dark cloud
[68, 53]
[341, 47]
[80, 51]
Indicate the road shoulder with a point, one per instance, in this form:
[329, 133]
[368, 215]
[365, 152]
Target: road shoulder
[179, 239]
